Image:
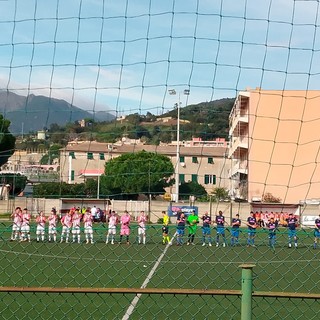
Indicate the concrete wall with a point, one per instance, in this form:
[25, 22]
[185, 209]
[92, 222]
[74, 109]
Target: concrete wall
[284, 144]
[134, 207]
[230, 209]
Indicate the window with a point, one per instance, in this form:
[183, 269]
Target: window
[89, 155]
[71, 154]
[101, 156]
[182, 178]
[194, 160]
[210, 179]
[182, 159]
[194, 178]
[72, 175]
[210, 160]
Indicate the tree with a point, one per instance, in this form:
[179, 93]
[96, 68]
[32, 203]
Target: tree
[16, 181]
[220, 194]
[53, 153]
[191, 188]
[137, 173]
[270, 198]
[140, 131]
[150, 117]
[87, 189]
[54, 127]
[7, 141]
[134, 118]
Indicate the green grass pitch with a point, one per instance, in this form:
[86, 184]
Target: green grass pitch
[24, 264]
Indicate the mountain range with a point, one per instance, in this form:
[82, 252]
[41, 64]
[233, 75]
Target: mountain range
[32, 113]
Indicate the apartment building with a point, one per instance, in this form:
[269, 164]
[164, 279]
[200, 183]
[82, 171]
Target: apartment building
[209, 166]
[274, 145]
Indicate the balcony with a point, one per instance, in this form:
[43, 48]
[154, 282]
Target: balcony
[237, 121]
[237, 143]
[239, 167]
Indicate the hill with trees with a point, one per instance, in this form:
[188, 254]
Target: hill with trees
[207, 120]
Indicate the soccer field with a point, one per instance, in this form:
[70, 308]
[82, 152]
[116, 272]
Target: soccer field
[154, 265]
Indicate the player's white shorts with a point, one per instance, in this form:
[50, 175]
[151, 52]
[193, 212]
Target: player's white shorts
[40, 230]
[52, 230]
[141, 230]
[16, 227]
[25, 228]
[75, 230]
[88, 230]
[112, 230]
[65, 229]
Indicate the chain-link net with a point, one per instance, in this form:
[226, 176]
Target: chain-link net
[210, 275]
[121, 57]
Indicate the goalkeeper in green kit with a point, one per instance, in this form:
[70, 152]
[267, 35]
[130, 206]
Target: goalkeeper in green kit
[192, 222]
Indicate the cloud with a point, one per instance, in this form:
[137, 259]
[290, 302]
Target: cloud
[132, 64]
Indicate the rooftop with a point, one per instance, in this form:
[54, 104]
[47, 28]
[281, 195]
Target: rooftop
[169, 150]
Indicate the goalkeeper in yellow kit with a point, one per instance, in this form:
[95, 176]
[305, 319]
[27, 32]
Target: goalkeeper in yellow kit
[192, 222]
[165, 228]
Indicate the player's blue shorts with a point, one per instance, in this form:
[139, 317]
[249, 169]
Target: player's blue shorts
[272, 235]
[235, 233]
[180, 231]
[251, 232]
[317, 233]
[220, 230]
[206, 230]
[292, 233]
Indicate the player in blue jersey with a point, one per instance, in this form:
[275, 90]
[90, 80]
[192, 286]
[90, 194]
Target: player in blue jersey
[181, 225]
[220, 222]
[291, 224]
[316, 232]
[252, 226]
[272, 228]
[235, 231]
[206, 230]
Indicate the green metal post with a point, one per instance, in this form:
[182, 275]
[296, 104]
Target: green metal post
[246, 290]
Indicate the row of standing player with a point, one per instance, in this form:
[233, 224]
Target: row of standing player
[192, 220]
[72, 222]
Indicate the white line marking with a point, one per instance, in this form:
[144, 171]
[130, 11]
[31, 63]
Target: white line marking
[136, 299]
[314, 260]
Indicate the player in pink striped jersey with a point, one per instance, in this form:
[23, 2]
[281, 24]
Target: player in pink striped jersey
[41, 223]
[66, 222]
[53, 220]
[16, 225]
[87, 221]
[142, 219]
[125, 226]
[112, 227]
[76, 217]
[25, 225]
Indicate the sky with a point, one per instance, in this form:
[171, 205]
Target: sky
[123, 56]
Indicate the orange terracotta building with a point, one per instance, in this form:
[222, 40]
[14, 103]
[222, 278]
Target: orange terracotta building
[274, 147]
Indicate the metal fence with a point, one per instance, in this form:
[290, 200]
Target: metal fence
[54, 280]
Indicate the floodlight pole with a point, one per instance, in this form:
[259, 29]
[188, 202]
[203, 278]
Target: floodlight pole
[177, 178]
[98, 185]
[70, 170]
